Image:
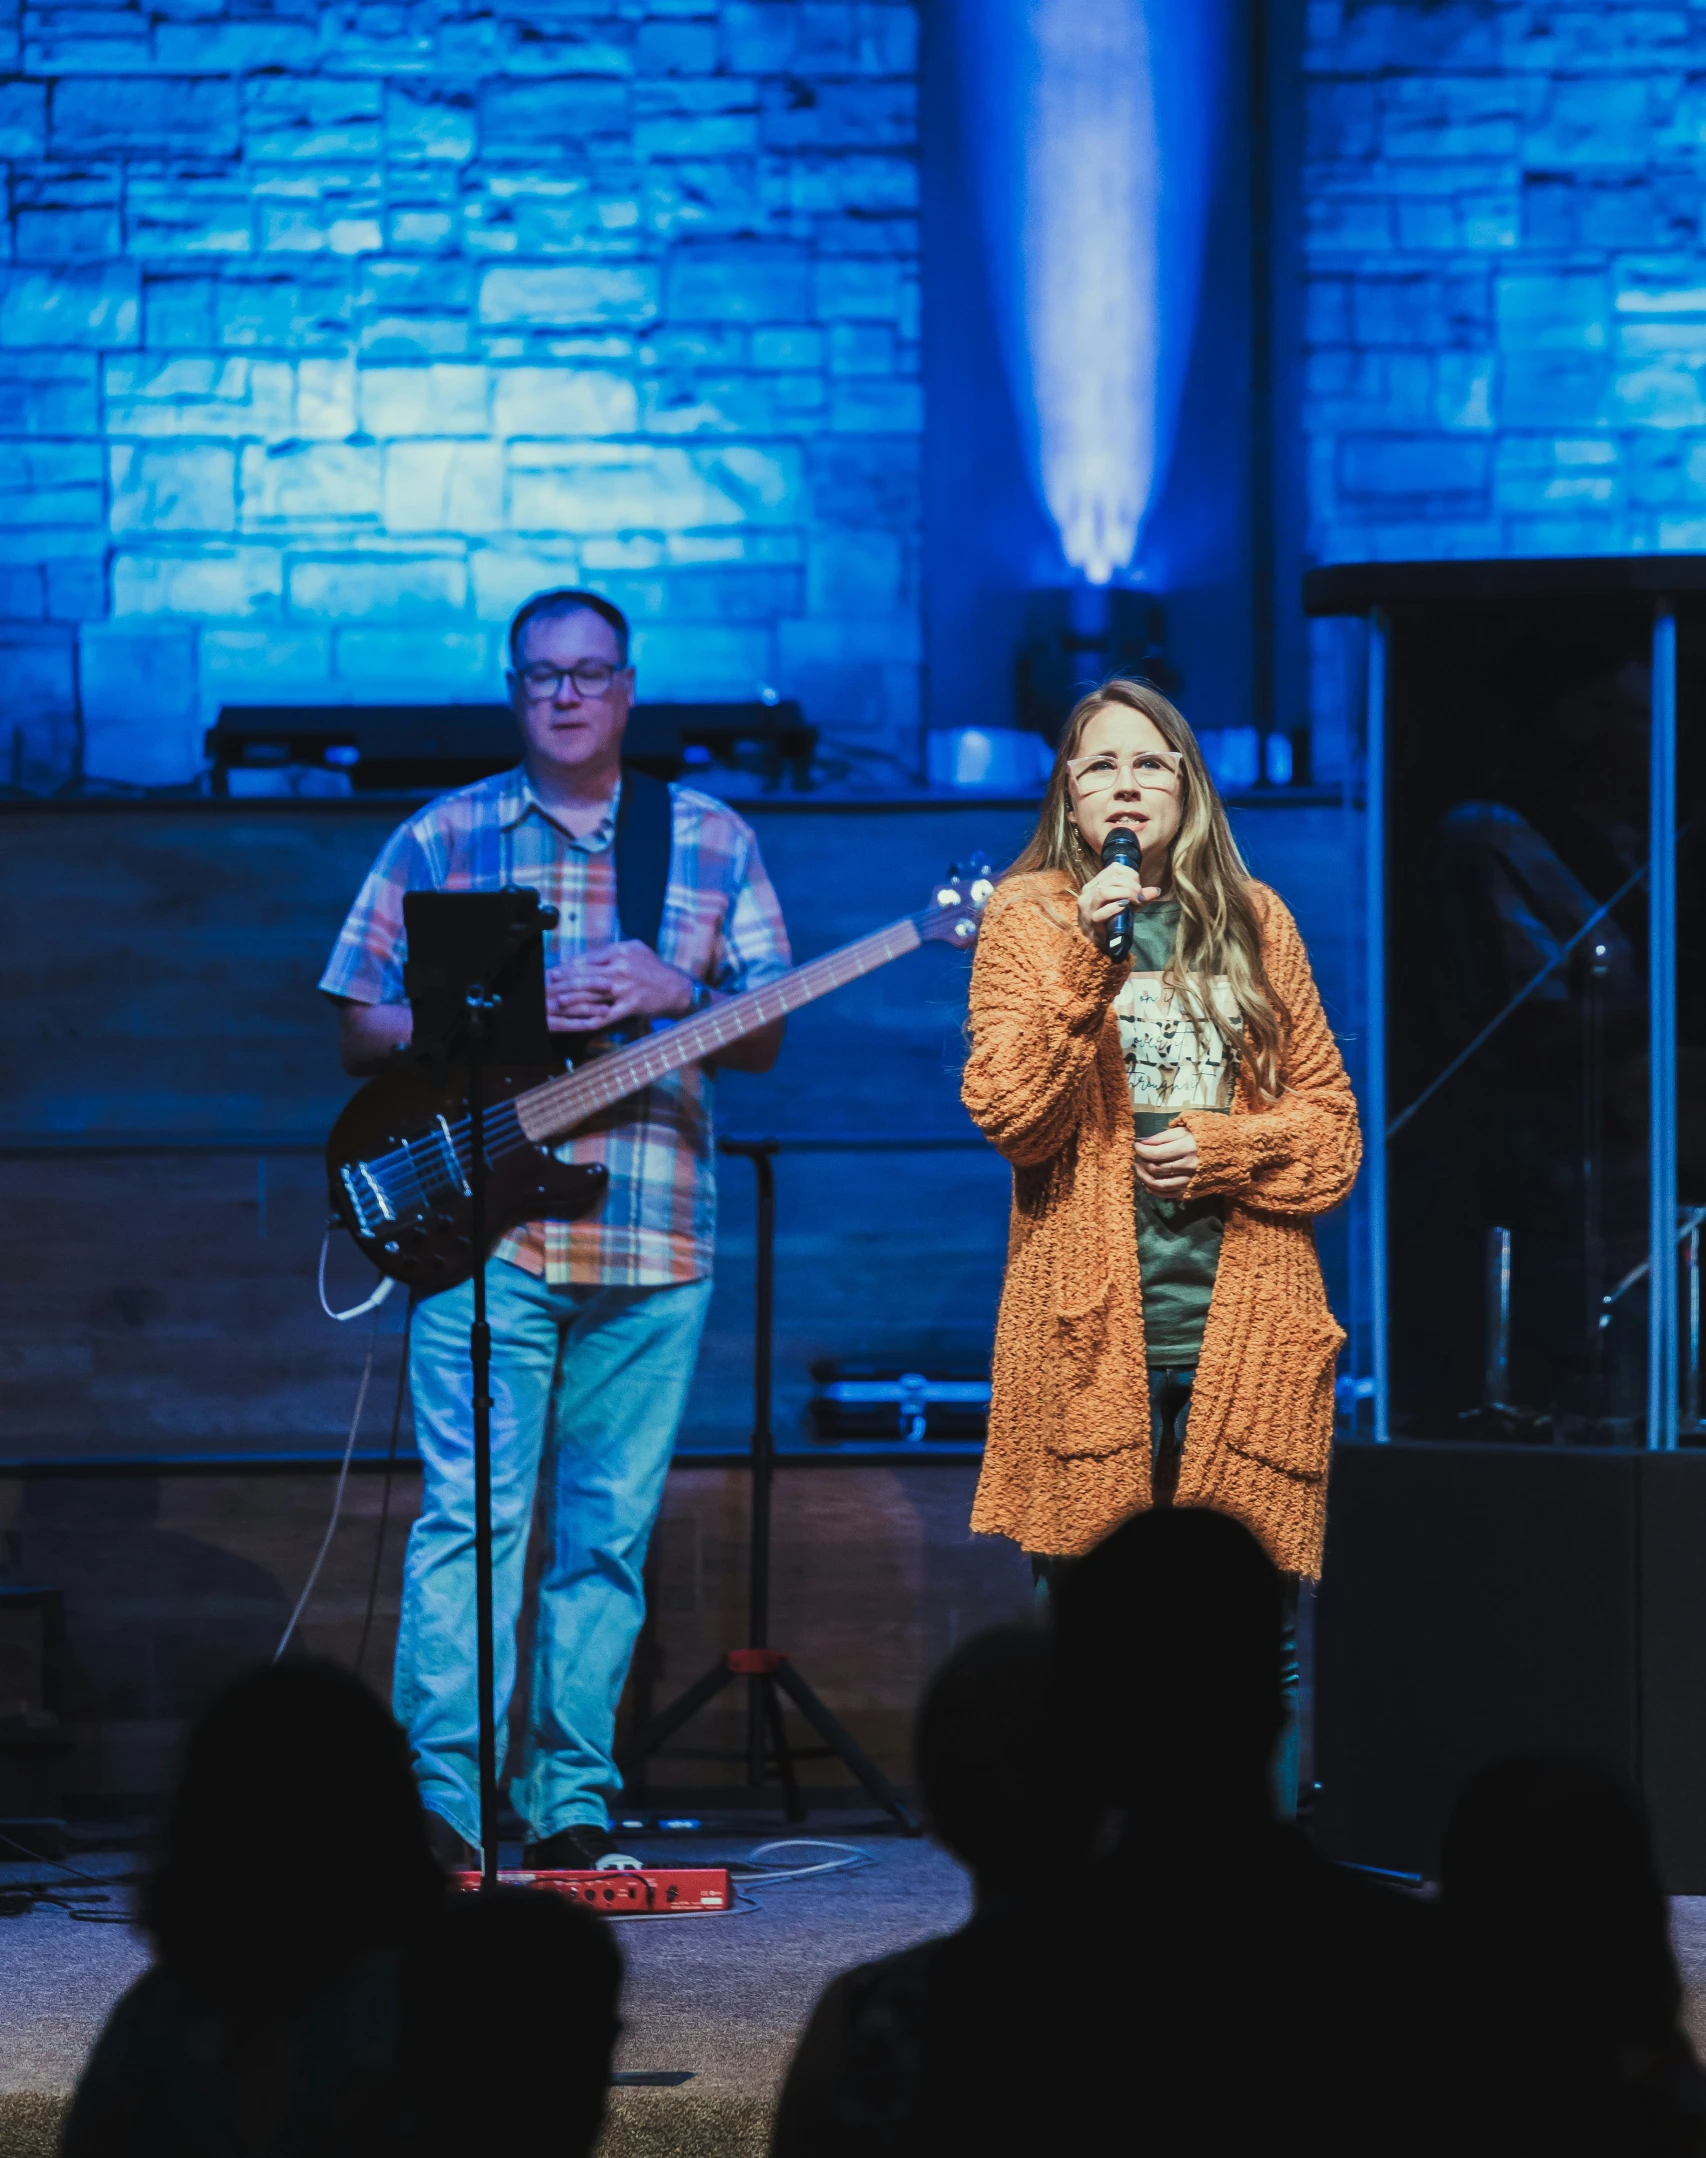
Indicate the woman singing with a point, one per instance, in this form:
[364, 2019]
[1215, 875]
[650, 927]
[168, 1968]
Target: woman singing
[1174, 1123]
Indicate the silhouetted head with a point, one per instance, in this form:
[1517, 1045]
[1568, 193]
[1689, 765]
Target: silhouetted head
[1553, 1904]
[1167, 1642]
[983, 1753]
[295, 1841]
[509, 2023]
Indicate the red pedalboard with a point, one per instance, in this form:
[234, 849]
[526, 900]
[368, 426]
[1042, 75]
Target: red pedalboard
[626, 1892]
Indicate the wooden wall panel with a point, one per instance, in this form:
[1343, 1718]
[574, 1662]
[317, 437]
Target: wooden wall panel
[157, 965]
[175, 1583]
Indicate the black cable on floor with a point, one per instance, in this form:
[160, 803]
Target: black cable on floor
[385, 1494]
[19, 1898]
[40, 1858]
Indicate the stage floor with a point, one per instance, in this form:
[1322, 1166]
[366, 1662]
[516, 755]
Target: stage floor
[717, 1999]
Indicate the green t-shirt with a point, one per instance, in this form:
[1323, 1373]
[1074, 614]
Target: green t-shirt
[1170, 1065]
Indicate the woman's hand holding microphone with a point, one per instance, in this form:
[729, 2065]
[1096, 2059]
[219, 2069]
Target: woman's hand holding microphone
[1102, 898]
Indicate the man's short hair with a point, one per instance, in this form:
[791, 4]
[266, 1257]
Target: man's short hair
[545, 605]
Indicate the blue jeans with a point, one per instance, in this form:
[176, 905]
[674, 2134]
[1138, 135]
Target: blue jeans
[598, 1379]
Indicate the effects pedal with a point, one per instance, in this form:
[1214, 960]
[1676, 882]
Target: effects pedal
[629, 1891]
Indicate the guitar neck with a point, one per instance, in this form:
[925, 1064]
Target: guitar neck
[547, 1112]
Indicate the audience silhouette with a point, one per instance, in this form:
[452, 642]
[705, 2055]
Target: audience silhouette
[310, 1966]
[993, 1795]
[1152, 1958]
[1213, 1982]
[1562, 1986]
[1206, 1983]
[508, 2029]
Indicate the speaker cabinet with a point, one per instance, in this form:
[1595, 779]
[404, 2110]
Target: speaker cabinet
[1481, 1600]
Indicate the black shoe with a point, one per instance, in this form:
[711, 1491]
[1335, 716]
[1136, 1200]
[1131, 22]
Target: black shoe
[570, 1850]
[452, 1850]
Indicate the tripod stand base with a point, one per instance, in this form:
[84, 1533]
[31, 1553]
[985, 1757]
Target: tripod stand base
[771, 1678]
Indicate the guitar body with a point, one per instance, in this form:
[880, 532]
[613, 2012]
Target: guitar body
[415, 1224]
[399, 1156]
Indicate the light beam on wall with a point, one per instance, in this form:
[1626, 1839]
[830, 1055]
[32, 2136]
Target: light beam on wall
[1091, 274]
[1088, 125]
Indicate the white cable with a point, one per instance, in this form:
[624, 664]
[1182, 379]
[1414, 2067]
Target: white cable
[337, 1495]
[387, 1282]
[851, 1856]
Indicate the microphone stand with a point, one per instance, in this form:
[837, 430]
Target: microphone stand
[482, 1005]
[437, 924]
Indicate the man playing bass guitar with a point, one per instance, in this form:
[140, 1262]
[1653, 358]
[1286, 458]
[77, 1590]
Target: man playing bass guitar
[595, 1322]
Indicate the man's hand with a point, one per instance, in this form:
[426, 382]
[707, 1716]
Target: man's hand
[627, 981]
[609, 987]
[1166, 1163]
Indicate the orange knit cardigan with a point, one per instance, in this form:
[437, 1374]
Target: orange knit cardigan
[1069, 1438]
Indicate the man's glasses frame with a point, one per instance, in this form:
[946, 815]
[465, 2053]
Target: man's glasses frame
[591, 678]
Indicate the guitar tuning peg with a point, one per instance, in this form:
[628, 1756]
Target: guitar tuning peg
[976, 879]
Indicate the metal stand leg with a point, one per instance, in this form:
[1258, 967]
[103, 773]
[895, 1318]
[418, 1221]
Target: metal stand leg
[768, 1671]
[1691, 1368]
[480, 1356]
[1593, 1168]
[793, 1805]
[1495, 1383]
[841, 1742]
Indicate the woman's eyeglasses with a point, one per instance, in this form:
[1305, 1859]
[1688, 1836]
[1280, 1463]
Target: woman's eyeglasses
[591, 677]
[1157, 769]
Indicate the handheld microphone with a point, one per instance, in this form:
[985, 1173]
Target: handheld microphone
[1122, 846]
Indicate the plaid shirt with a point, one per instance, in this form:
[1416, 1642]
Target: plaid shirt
[721, 924]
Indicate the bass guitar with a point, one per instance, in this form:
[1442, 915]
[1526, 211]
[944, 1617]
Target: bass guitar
[398, 1157]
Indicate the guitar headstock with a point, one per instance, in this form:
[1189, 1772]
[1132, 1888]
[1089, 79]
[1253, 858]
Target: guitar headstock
[957, 904]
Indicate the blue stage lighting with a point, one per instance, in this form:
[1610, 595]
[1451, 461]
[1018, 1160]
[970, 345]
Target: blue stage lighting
[1091, 275]
[1090, 126]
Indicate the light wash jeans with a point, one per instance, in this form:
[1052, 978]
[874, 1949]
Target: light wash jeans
[595, 1381]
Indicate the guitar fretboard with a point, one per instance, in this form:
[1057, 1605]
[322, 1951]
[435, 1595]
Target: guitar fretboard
[548, 1111]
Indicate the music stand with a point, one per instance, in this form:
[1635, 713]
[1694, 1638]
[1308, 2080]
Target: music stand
[475, 979]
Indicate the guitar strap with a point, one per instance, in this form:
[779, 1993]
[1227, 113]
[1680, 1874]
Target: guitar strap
[644, 839]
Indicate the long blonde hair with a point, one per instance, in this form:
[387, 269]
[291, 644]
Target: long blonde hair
[1218, 930]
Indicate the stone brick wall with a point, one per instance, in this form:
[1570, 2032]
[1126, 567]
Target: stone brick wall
[329, 329]
[1506, 278]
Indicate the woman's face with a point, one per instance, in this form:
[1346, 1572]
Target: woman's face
[1123, 773]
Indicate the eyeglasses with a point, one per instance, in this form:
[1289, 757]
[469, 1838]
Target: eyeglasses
[591, 677]
[1157, 769]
